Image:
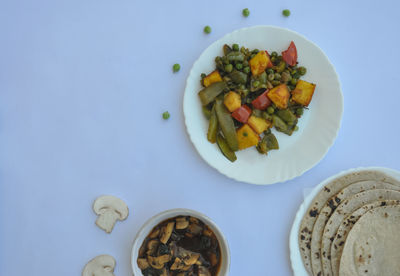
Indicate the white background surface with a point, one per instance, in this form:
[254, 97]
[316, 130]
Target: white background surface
[82, 88]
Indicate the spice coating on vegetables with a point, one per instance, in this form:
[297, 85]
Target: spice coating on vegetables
[251, 92]
[182, 245]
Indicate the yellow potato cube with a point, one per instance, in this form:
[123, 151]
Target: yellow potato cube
[259, 124]
[232, 101]
[303, 92]
[211, 78]
[279, 95]
[259, 63]
[246, 137]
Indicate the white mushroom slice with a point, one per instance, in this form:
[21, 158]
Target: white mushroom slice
[142, 263]
[158, 262]
[181, 223]
[178, 264]
[195, 229]
[154, 233]
[152, 247]
[204, 271]
[188, 257]
[102, 265]
[109, 209]
[164, 272]
[166, 232]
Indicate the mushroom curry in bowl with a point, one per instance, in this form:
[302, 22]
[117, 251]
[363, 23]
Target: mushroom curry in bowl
[180, 246]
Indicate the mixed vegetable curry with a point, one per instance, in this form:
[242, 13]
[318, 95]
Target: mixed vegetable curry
[180, 246]
[251, 92]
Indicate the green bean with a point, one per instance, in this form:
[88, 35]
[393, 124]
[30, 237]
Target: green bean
[208, 94]
[269, 85]
[266, 116]
[206, 112]
[238, 77]
[212, 127]
[262, 78]
[225, 149]
[293, 81]
[256, 112]
[279, 124]
[225, 60]
[225, 121]
[235, 56]
[287, 116]
[275, 82]
[228, 68]
[271, 141]
[235, 47]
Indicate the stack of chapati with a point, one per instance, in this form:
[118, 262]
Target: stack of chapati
[352, 227]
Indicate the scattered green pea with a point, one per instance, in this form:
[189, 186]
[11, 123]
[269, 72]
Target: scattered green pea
[235, 47]
[275, 82]
[271, 76]
[256, 84]
[239, 66]
[166, 115]
[274, 54]
[302, 71]
[245, 134]
[296, 128]
[293, 81]
[176, 67]
[246, 12]
[246, 70]
[228, 68]
[270, 110]
[286, 12]
[207, 29]
[277, 76]
[270, 71]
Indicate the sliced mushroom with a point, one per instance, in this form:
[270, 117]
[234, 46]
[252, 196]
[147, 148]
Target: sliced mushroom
[207, 232]
[152, 247]
[181, 223]
[164, 272]
[158, 262]
[195, 229]
[188, 257]
[109, 209]
[142, 263]
[102, 265]
[213, 259]
[154, 233]
[204, 271]
[194, 220]
[166, 232]
[178, 264]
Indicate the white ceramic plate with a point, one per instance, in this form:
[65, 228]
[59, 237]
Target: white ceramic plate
[295, 257]
[318, 127]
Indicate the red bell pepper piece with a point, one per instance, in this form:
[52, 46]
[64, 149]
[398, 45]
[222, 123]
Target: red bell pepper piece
[242, 114]
[262, 101]
[290, 55]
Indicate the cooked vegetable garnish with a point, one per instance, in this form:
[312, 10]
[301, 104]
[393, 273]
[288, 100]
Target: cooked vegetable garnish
[286, 12]
[246, 12]
[166, 115]
[251, 92]
[176, 67]
[207, 29]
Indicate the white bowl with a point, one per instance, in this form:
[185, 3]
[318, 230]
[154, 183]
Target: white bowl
[318, 127]
[152, 222]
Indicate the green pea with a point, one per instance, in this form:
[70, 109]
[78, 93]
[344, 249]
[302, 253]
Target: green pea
[293, 72]
[245, 134]
[273, 59]
[286, 12]
[225, 60]
[271, 76]
[203, 75]
[255, 51]
[228, 68]
[299, 111]
[293, 81]
[274, 54]
[176, 67]
[166, 115]
[270, 71]
[275, 82]
[235, 47]
[207, 29]
[246, 70]
[239, 66]
[270, 110]
[277, 76]
[302, 71]
[256, 83]
[246, 12]
[243, 50]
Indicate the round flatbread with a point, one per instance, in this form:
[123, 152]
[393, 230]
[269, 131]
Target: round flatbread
[330, 207]
[372, 246]
[346, 226]
[342, 211]
[328, 191]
